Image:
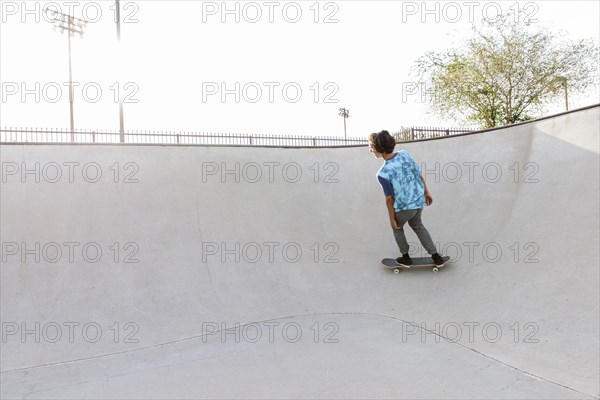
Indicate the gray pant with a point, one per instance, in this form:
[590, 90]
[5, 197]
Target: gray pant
[413, 217]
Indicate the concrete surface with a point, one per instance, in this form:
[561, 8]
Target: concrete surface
[287, 262]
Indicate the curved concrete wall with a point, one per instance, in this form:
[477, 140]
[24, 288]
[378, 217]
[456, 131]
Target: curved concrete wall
[285, 244]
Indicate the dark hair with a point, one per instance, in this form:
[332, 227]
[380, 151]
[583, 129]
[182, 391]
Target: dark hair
[384, 142]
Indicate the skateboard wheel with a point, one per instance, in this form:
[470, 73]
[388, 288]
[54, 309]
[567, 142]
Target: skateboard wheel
[435, 269]
[397, 271]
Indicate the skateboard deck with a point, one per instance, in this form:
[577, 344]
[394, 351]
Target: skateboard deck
[417, 262]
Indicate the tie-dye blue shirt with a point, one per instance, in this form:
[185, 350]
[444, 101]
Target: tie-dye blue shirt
[399, 176]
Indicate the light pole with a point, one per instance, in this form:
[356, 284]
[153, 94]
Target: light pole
[121, 118]
[72, 25]
[343, 112]
[566, 94]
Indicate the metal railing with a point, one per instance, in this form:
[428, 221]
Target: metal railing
[29, 135]
[63, 136]
[420, 132]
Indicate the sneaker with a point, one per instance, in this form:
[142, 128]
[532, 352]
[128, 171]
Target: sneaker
[437, 259]
[404, 260]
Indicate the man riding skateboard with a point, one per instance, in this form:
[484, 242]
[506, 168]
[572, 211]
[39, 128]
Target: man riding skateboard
[405, 195]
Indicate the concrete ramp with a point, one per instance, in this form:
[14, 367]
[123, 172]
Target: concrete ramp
[148, 271]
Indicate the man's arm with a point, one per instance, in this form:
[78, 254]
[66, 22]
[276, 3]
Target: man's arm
[388, 192]
[428, 198]
[389, 203]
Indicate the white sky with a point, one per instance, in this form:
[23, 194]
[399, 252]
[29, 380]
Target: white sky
[171, 50]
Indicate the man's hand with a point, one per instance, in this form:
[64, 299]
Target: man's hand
[428, 198]
[389, 203]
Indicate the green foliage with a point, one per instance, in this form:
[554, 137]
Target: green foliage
[506, 73]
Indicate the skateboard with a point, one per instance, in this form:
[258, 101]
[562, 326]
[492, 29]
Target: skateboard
[417, 262]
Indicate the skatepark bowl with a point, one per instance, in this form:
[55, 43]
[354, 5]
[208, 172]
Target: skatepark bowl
[179, 272]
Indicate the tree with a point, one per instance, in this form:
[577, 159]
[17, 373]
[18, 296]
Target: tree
[506, 72]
